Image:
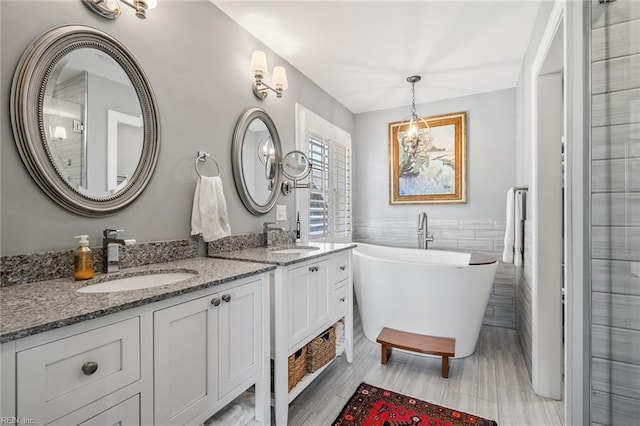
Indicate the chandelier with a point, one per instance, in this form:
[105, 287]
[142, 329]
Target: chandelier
[415, 135]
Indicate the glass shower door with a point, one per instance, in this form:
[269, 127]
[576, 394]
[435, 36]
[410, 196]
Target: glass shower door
[615, 212]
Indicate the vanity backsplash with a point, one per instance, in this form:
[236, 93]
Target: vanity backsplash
[250, 240]
[25, 268]
[50, 265]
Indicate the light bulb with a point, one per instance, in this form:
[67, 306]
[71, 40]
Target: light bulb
[259, 64]
[60, 133]
[280, 78]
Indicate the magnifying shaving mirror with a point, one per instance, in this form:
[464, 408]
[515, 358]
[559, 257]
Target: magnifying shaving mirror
[295, 166]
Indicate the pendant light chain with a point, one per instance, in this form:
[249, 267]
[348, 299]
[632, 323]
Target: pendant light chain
[418, 129]
[413, 99]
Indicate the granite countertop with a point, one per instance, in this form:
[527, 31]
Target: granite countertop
[268, 255]
[37, 307]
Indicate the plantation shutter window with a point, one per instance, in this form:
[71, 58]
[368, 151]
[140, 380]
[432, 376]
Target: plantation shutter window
[329, 189]
[325, 207]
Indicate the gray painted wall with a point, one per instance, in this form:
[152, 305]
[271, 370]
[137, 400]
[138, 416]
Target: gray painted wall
[197, 61]
[490, 153]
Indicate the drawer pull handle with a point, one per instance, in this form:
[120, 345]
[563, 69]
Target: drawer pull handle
[343, 267]
[215, 301]
[342, 299]
[226, 297]
[313, 269]
[90, 367]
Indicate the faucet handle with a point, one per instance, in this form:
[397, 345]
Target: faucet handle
[111, 233]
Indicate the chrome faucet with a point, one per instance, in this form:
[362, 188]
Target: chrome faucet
[270, 226]
[424, 237]
[111, 244]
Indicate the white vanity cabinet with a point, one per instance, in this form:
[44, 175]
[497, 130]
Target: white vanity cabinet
[306, 299]
[56, 378]
[205, 348]
[175, 361]
[310, 294]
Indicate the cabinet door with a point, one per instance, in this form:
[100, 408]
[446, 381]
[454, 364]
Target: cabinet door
[240, 334]
[322, 295]
[185, 360]
[299, 293]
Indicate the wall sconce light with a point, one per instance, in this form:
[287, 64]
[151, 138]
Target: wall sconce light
[259, 71]
[265, 149]
[59, 133]
[110, 9]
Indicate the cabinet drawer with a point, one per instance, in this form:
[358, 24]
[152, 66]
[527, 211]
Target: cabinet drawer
[341, 268]
[341, 301]
[126, 413]
[58, 377]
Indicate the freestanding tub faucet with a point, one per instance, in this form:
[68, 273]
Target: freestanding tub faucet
[424, 237]
[111, 244]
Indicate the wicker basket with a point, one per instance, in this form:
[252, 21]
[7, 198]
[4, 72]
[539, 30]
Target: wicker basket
[297, 366]
[322, 349]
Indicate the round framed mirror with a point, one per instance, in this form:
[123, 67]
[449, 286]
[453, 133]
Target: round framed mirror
[85, 120]
[256, 154]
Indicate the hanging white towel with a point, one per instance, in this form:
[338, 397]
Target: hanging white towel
[209, 213]
[518, 214]
[507, 253]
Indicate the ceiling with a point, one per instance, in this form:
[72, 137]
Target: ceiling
[361, 52]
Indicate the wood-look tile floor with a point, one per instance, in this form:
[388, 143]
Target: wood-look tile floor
[492, 383]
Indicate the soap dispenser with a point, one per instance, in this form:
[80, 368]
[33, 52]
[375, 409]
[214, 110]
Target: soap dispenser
[82, 259]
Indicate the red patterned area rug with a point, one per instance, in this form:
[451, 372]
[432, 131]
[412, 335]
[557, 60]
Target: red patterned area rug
[370, 406]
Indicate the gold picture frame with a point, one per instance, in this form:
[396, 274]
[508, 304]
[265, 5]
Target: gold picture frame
[435, 171]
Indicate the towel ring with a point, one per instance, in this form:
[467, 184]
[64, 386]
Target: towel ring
[202, 157]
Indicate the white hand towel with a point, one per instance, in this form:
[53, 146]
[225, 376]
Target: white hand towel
[518, 243]
[507, 253]
[209, 213]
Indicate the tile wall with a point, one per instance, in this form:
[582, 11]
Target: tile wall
[482, 235]
[615, 208]
[523, 299]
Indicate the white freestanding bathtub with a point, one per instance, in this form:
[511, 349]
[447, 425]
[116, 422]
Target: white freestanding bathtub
[431, 292]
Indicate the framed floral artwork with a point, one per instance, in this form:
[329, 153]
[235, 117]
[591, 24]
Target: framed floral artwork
[431, 168]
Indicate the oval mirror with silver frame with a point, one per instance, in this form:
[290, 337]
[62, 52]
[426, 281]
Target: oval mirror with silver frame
[255, 155]
[85, 120]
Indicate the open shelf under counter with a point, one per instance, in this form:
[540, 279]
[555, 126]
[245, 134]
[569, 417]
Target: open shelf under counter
[306, 298]
[341, 345]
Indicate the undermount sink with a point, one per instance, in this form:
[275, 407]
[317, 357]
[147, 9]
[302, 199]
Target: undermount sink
[293, 250]
[137, 282]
